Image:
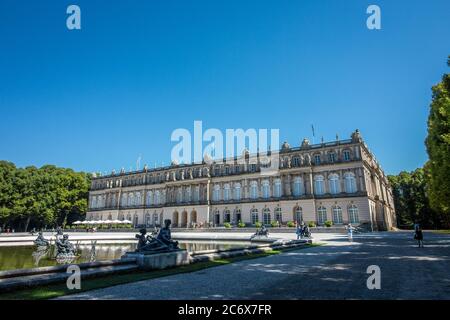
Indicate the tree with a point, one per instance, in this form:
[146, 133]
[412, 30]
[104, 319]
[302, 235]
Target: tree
[438, 148]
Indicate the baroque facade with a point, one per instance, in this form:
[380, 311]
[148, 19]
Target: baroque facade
[338, 181]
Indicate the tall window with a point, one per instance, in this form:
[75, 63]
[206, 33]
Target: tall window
[179, 195]
[319, 185]
[321, 215]
[346, 155]
[298, 190]
[237, 191]
[157, 197]
[226, 192]
[278, 215]
[296, 162]
[216, 193]
[253, 190]
[333, 181]
[138, 199]
[254, 216]
[149, 198]
[350, 182]
[298, 214]
[147, 219]
[337, 215]
[277, 188]
[265, 189]
[196, 193]
[266, 216]
[130, 199]
[155, 218]
[226, 216]
[353, 214]
[94, 202]
[237, 215]
[124, 200]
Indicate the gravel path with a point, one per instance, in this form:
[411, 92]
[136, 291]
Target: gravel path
[334, 271]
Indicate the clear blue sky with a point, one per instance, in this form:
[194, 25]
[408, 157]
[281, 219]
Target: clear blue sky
[96, 98]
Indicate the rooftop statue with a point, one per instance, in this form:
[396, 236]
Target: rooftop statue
[41, 241]
[162, 242]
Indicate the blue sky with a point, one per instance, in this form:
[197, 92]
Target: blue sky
[95, 99]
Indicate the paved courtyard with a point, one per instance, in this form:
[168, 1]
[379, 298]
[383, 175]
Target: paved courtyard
[336, 270]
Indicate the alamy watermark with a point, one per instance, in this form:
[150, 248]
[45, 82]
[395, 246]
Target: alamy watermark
[74, 280]
[251, 146]
[374, 280]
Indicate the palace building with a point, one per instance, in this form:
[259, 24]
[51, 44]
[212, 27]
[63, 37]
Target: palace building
[338, 181]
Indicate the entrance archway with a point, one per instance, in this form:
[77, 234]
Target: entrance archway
[194, 216]
[175, 219]
[184, 219]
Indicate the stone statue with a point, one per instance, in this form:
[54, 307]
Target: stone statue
[162, 242]
[64, 247]
[190, 174]
[41, 241]
[182, 175]
[263, 231]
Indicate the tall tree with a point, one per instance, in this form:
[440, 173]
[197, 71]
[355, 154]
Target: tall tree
[438, 148]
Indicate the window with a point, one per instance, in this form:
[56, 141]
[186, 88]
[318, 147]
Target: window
[346, 155]
[317, 159]
[226, 216]
[298, 189]
[196, 194]
[296, 162]
[130, 199]
[321, 215]
[237, 191]
[333, 181]
[217, 171]
[147, 219]
[138, 199]
[187, 194]
[332, 157]
[94, 202]
[266, 216]
[227, 170]
[319, 185]
[237, 169]
[179, 196]
[298, 214]
[350, 182]
[216, 193]
[277, 188]
[353, 214]
[149, 198]
[155, 218]
[216, 217]
[337, 215]
[253, 190]
[157, 197]
[278, 215]
[237, 215]
[226, 192]
[253, 168]
[266, 189]
[254, 216]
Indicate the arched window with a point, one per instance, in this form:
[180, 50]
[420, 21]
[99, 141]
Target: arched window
[237, 215]
[155, 219]
[298, 187]
[216, 192]
[337, 215]
[266, 189]
[278, 215]
[277, 188]
[216, 217]
[350, 182]
[317, 159]
[319, 185]
[187, 194]
[227, 216]
[298, 214]
[253, 190]
[226, 192]
[266, 216]
[136, 220]
[124, 199]
[254, 216]
[353, 214]
[237, 191]
[149, 199]
[321, 215]
[113, 200]
[333, 181]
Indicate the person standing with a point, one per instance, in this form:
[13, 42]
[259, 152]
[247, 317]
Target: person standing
[299, 231]
[419, 236]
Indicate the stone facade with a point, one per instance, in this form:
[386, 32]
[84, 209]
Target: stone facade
[340, 181]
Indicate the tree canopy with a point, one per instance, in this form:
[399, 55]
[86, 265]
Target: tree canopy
[438, 148]
[38, 197]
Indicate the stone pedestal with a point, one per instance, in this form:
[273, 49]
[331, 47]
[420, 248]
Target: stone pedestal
[159, 260]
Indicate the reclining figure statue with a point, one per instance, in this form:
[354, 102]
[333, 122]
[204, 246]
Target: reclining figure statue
[41, 241]
[162, 242]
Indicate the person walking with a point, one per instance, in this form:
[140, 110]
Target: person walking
[418, 235]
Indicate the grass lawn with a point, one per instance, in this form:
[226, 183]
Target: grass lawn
[60, 289]
[442, 231]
